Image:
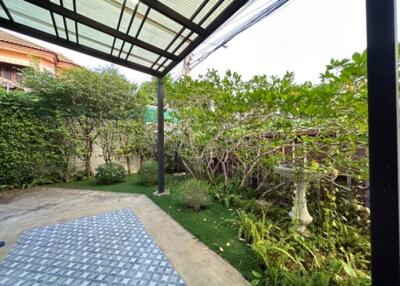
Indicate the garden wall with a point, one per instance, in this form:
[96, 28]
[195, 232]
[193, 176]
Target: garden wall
[98, 159]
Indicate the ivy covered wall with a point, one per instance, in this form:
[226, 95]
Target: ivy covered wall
[26, 148]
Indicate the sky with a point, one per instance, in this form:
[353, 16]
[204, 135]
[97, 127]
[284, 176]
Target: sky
[301, 37]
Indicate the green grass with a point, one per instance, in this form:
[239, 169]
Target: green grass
[206, 225]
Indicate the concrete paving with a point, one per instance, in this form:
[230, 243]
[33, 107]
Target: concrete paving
[196, 264]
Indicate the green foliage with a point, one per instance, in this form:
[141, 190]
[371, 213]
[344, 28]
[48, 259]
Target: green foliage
[132, 141]
[110, 173]
[335, 252]
[194, 194]
[28, 153]
[237, 129]
[80, 176]
[61, 118]
[171, 156]
[234, 132]
[88, 108]
[148, 173]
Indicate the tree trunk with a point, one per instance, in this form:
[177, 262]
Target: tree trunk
[89, 170]
[225, 174]
[106, 155]
[128, 164]
[88, 156]
[141, 159]
[66, 174]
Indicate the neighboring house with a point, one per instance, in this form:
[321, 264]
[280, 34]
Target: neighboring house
[150, 115]
[17, 53]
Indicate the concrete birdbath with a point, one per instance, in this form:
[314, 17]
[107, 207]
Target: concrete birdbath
[301, 178]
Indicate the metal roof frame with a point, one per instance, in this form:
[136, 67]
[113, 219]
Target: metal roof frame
[157, 68]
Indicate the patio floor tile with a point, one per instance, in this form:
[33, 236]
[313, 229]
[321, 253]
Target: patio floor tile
[106, 249]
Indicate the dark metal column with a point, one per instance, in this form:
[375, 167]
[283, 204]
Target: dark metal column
[383, 141]
[160, 135]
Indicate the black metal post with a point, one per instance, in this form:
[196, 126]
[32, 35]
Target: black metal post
[383, 141]
[160, 135]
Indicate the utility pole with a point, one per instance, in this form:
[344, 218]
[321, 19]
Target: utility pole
[186, 65]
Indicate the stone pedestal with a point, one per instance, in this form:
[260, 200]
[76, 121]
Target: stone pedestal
[301, 178]
[299, 211]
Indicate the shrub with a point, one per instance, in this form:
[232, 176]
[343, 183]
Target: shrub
[80, 176]
[194, 194]
[335, 252]
[148, 173]
[110, 173]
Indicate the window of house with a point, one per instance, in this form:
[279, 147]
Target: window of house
[6, 72]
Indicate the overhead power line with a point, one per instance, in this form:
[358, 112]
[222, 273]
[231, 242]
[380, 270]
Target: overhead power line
[253, 17]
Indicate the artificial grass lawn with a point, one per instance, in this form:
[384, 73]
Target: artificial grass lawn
[206, 225]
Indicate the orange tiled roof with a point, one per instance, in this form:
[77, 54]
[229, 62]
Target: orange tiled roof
[12, 39]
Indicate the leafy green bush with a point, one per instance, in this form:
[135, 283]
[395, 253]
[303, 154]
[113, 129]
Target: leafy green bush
[80, 175]
[148, 173]
[27, 148]
[110, 173]
[194, 194]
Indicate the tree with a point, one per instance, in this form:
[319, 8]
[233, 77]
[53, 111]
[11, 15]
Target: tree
[239, 129]
[86, 100]
[108, 130]
[131, 136]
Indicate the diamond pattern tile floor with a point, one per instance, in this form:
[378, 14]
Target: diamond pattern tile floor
[105, 249]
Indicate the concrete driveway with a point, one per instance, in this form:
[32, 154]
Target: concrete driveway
[195, 262]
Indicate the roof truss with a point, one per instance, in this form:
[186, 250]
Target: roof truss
[151, 36]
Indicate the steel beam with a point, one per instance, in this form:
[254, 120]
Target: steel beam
[225, 15]
[160, 136]
[118, 25]
[170, 13]
[383, 141]
[100, 27]
[179, 34]
[139, 30]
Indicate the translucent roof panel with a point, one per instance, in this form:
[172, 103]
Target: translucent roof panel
[30, 15]
[151, 36]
